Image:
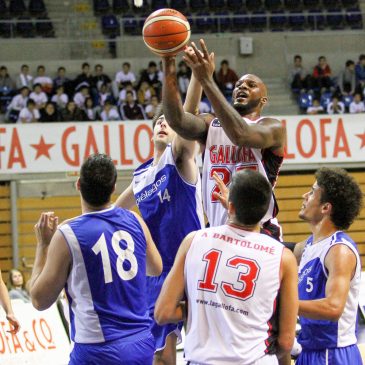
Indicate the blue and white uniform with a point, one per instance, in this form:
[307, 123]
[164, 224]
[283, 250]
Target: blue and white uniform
[106, 289]
[324, 341]
[171, 208]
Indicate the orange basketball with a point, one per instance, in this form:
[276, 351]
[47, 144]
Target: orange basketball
[166, 32]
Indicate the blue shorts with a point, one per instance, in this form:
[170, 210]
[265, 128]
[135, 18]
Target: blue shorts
[118, 352]
[349, 355]
[160, 333]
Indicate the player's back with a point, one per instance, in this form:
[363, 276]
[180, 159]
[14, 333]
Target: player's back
[107, 282]
[232, 280]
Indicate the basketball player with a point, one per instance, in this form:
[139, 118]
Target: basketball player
[167, 191]
[231, 275]
[6, 304]
[329, 272]
[101, 258]
[237, 139]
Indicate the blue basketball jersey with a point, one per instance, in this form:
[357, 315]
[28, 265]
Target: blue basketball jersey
[322, 334]
[170, 206]
[107, 283]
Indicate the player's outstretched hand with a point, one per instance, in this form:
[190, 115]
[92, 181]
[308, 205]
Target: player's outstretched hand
[201, 62]
[222, 196]
[46, 227]
[14, 323]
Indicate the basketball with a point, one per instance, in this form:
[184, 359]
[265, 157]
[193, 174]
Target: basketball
[166, 32]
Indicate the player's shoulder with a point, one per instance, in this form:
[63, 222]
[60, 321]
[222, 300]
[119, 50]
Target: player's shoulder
[143, 167]
[270, 121]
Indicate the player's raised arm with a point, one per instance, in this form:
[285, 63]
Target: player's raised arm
[126, 199]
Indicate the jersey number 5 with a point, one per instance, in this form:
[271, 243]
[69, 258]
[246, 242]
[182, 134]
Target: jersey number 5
[122, 255]
[247, 278]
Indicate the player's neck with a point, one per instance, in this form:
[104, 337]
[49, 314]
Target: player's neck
[322, 230]
[254, 115]
[157, 153]
[87, 208]
[252, 228]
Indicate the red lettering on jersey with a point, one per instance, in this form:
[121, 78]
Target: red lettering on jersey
[230, 155]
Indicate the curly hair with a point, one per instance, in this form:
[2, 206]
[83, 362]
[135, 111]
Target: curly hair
[344, 194]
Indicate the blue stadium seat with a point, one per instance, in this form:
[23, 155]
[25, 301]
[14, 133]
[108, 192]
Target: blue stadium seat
[6, 29]
[240, 21]
[223, 21]
[258, 21]
[110, 25]
[130, 24]
[235, 5]
[305, 100]
[37, 7]
[159, 4]
[350, 3]
[254, 5]
[216, 4]
[204, 22]
[330, 4]
[17, 7]
[120, 6]
[101, 6]
[335, 19]
[197, 5]
[3, 9]
[293, 4]
[296, 20]
[347, 100]
[44, 27]
[273, 4]
[316, 19]
[180, 5]
[25, 27]
[325, 99]
[310, 4]
[278, 20]
[354, 18]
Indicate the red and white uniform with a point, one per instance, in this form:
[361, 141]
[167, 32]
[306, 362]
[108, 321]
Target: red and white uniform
[232, 279]
[225, 158]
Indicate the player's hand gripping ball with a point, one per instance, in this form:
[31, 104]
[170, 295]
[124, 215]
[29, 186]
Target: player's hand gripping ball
[166, 32]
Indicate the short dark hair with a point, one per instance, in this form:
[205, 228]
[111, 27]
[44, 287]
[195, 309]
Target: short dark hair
[362, 57]
[224, 62]
[297, 57]
[30, 102]
[84, 65]
[344, 194]
[97, 179]
[152, 64]
[40, 66]
[126, 64]
[61, 68]
[349, 63]
[250, 193]
[321, 58]
[98, 66]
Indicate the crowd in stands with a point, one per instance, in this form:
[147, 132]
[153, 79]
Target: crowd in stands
[321, 92]
[93, 95]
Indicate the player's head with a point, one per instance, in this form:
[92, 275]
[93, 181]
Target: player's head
[163, 134]
[97, 179]
[335, 195]
[249, 197]
[249, 94]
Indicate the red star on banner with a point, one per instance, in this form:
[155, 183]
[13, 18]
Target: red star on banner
[362, 137]
[42, 148]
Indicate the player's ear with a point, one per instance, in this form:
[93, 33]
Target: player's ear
[327, 208]
[77, 184]
[231, 209]
[264, 100]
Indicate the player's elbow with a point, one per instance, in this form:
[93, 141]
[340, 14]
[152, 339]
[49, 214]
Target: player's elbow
[334, 313]
[285, 342]
[39, 301]
[163, 313]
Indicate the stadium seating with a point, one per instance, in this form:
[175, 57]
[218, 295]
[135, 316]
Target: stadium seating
[44, 27]
[217, 5]
[159, 4]
[235, 5]
[305, 100]
[316, 19]
[197, 5]
[17, 7]
[223, 22]
[101, 6]
[110, 25]
[335, 19]
[3, 9]
[6, 27]
[297, 20]
[130, 24]
[120, 6]
[254, 5]
[37, 8]
[180, 5]
[25, 27]
[353, 18]
[240, 21]
[273, 4]
[278, 21]
[204, 22]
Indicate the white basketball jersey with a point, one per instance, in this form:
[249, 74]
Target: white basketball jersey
[232, 283]
[225, 158]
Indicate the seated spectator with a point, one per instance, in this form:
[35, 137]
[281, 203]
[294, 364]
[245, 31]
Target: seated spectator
[90, 111]
[360, 74]
[50, 114]
[40, 97]
[150, 109]
[45, 81]
[100, 77]
[299, 78]
[357, 105]
[24, 78]
[81, 95]
[16, 286]
[18, 102]
[6, 88]
[29, 114]
[151, 75]
[145, 93]
[315, 108]
[104, 94]
[346, 81]
[123, 93]
[85, 78]
[122, 78]
[60, 98]
[71, 113]
[183, 78]
[62, 80]
[130, 110]
[109, 113]
[226, 78]
[335, 106]
[322, 75]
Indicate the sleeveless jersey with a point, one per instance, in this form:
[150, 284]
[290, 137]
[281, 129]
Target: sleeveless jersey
[322, 334]
[107, 283]
[170, 206]
[225, 158]
[232, 279]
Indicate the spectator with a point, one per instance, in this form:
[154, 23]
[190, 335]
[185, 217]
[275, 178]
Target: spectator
[144, 93]
[315, 108]
[100, 77]
[18, 102]
[90, 111]
[72, 113]
[226, 78]
[40, 98]
[62, 80]
[123, 93]
[104, 94]
[50, 113]
[122, 78]
[81, 95]
[322, 75]
[360, 74]
[85, 78]
[109, 113]
[357, 105]
[24, 79]
[29, 114]
[16, 286]
[335, 106]
[60, 98]
[300, 80]
[130, 110]
[183, 78]
[151, 75]
[6, 88]
[45, 81]
[346, 79]
[151, 108]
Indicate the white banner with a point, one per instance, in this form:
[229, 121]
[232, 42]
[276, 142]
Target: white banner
[61, 147]
[42, 339]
